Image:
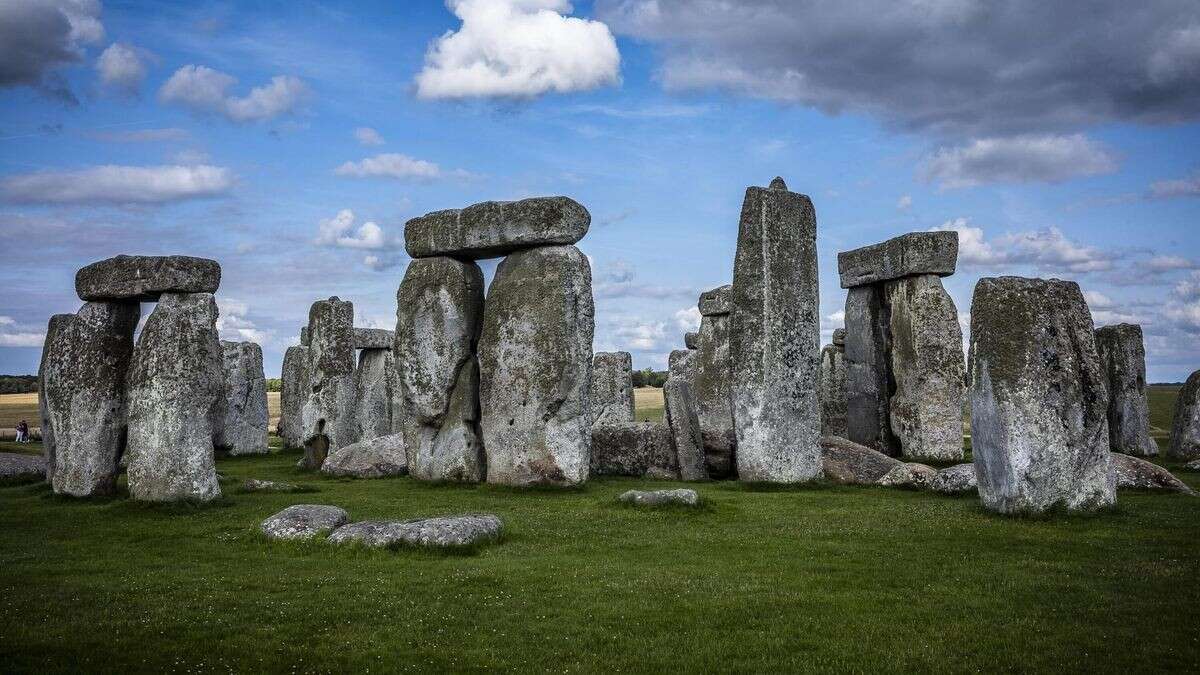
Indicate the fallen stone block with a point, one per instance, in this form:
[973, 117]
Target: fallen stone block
[143, 278]
[303, 521]
[1134, 473]
[256, 485]
[633, 449]
[910, 475]
[679, 497]
[379, 457]
[957, 479]
[494, 229]
[849, 463]
[909, 254]
[447, 532]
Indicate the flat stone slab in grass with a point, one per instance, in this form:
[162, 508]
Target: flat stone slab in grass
[256, 485]
[494, 229]
[847, 462]
[472, 529]
[1138, 474]
[907, 255]
[373, 338]
[956, 479]
[680, 497]
[304, 521]
[911, 475]
[374, 458]
[143, 278]
[716, 302]
[18, 467]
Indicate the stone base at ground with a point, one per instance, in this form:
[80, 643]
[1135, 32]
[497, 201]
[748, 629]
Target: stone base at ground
[304, 521]
[373, 458]
[957, 479]
[847, 462]
[467, 530]
[633, 449]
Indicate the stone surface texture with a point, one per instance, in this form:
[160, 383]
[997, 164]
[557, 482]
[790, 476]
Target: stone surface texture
[910, 475]
[1039, 398]
[633, 449]
[775, 338]
[1185, 429]
[378, 457]
[847, 462]
[494, 229]
[373, 338]
[467, 530]
[327, 419]
[833, 390]
[16, 467]
[244, 429]
[612, 388]
[535, 359]
[303, 521]
[293, 394]
[717, 301]
[868, 370]
[438, 320]
[957, 479]
[82, 396]
[375, 388]
[1134, 473]
[176, 393]
[912, 254]
[677, 497]
[691, 340]
[257, 485]
[143, 278]
[712, 386]
[679, 412]
[1123, 357]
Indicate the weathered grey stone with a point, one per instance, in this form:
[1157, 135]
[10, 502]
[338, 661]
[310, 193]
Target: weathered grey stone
[909, 254]
[868, 371]
[957, 479]
[612, 388]
[304, 336]
[143, 278]
[327, 418]
[1138, 474]
[81, 396]
[16, 467]
[176, 392]
[833, 390]
[438, 320]
[678, 497]
[691, 340]
[378, 457]
[844, 461]
[1123, 358]
[243, 430]
[1185, 429]
[680, 413]
[712, 385]
[373, 338]
[1039, 399]
[293, 394]
[304, 521]
[717, 301]
[493, 229]
[375, 383]
[535, 360]
[775, 338]
[256, 485]
[633, 449]
[1193, 465]
[682, 364]
[839, 338]
[472, 529]
[910, 475]
[927, 366]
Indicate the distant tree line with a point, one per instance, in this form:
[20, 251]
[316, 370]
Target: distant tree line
[649, 378]
[274, 384]
[18, 384]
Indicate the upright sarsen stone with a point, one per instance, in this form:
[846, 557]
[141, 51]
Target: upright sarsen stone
[868, 371]
[833, 386]
[535, 360]
[712, 387]
[243, 430]
[493, 229]
[680, 413]
[293, 395]
[374, 385]
[176, 391]
[1039, 400]
[612, 388]
[1123, 357]
[143, 278]
[82, 396]
[775, 338]
[327, 419]
[1185, 430]
[438, 316]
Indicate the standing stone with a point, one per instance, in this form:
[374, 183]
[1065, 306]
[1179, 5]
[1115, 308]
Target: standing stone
[682, 364]
[82, 396]
[680, 412]
[327, 419]
[245, 420]
[712, 387]
[493, 229]
[868, 371]
[612, 388]
[927, 365]
[176, 391]
[833, 386]
[535, 360]
[1185, 431]
[775, 338]
[143, 278]
[1039, 400]
[439, 311]
[374, 382]
[1123, 357]
[293, 394]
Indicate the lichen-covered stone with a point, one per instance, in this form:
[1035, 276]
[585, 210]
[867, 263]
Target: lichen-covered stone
[373, 338]
[1185, 429]
[143, 278]
[682, 364]
[910, 475]
[535, 360]
[691, 340]
[257, 485]
[717, 301]
[19, 468]
[327, 418]
[833, 390]
[775, 338]
[303, 521]
[1123, 357]
[468, 530]
[245, 419]
[911, 254]
[847, 462]
[493, 229]
[293, 394]
[1039, 398]
[176, 392]
[378, 457]
[925, 410]
[868, 371]
[680, 413]
[82, 397]
[957, 479]
[633, 449]
[612, 388]
[1137, 474]
[677, 497]
[438, 320]
[712, 386]
[375, 382]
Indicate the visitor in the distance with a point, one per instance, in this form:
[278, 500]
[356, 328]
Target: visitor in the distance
[22, 432]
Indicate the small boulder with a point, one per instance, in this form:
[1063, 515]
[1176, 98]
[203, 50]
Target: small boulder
[143, 278]
[955, 480]
[304, 521]
[373, 458]
[470, 529]
[1138, 474]
[910, 475]
[679, 497]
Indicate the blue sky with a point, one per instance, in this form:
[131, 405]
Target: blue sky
[246, 132]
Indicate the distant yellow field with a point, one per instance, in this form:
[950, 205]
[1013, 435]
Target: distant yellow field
[17, 407]
[648, 404]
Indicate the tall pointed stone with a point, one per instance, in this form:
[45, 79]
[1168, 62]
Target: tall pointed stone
[1123, 357]
[1185, 430]
[375, 383]
[535, 359]
[243, 430]
[176, 391]
[833, 386]
[612, 388]
[775, 338]
[327, 419]
[293, 395]
[439, 309]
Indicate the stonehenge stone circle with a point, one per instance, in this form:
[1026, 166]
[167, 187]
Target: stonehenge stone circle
[535, 360]
[327, 418]
[612, 388]
[633, 449]
[775, 338]
[909, 254]
[1123, 358]
[438, 320]
[1039, 398]
[243, 429]
[176, 390]
[680, 414]
[143, 278]
[377, 457]
[374, 383]
[1185, 430]
[303, 521]
[833, 386]
[373, 338]
[81, 396]
[494, 229]
[711, 380]
[467, 530]
[293, 394]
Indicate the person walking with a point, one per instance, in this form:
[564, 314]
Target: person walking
[22, 432]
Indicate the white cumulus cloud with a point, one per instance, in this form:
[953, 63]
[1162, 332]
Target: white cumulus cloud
[112, 184]
[1047, 249]
[390, 165]
[1019, 159]
[12, 335]
[122, 69]
[1179, 187]
[340, 232]
[204, 90]
[368, 136]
